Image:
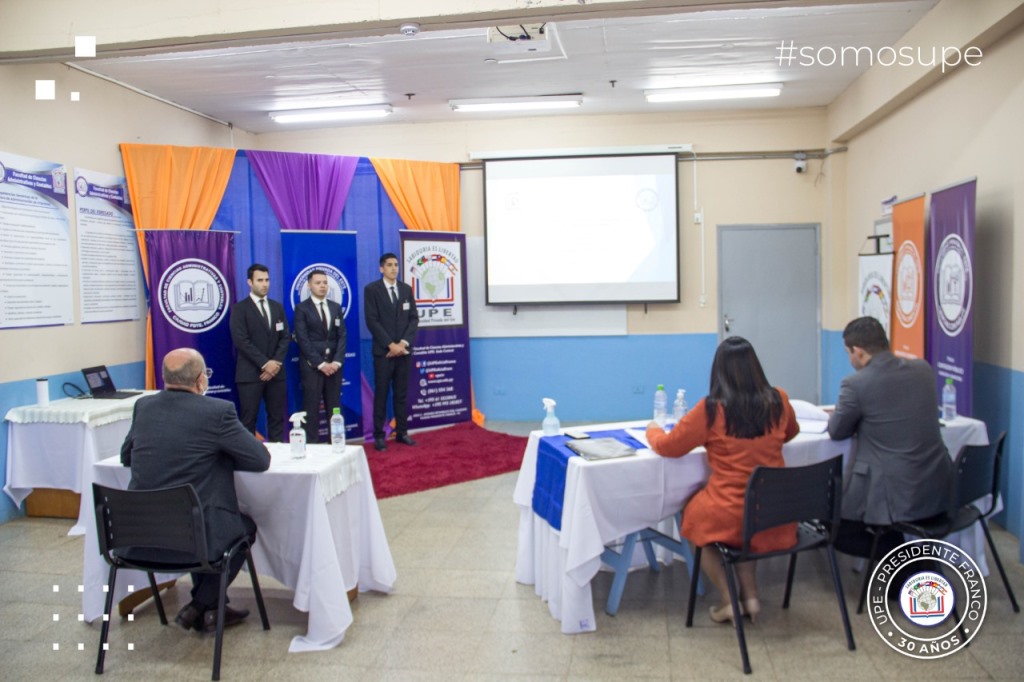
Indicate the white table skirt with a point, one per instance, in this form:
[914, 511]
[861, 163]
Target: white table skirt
[319, 548]
[606, 500]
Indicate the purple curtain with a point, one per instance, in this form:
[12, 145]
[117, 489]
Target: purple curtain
[306, 191]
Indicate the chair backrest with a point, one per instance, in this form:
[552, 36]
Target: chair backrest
[977, 472]
[778, 495]
[169, 519]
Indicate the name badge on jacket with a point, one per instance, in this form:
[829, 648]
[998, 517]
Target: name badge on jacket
[405, 305]
[279, 327]
[337, 322]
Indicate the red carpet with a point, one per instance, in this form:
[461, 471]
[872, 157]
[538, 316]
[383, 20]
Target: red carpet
[455, 454]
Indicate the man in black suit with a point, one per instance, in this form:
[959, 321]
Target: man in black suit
[320, 333]
[391, 317]
[259, 332]
[178, 436]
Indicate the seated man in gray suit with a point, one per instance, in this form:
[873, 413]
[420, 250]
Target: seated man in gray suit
[901, 470]
[178, 436]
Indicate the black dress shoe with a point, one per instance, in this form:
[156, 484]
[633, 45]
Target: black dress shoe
[190, 618]
[405, 440]
[378, 445]
[231, 617]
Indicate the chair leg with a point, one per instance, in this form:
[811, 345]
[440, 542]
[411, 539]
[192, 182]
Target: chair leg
[257, 590]
[652, 561]
[695, 571]
[156, 597]
[221, 604]
[867, 574]
[999, 565]
[105, 628]
[620, 561]
[840, 597]
[789, 580]
[734, 598]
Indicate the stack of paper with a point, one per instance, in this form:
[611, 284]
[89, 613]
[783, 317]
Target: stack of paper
[810, 417]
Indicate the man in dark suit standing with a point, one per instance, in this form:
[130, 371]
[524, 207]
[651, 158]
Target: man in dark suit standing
[901, 469]
[259, 332]
[178, 436]
[320, 333]
[391, 317]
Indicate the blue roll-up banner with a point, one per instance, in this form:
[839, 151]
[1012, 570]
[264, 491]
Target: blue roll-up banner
[190, 277]
[334, 252]
[439, 385]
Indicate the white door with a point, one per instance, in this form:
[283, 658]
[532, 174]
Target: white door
[769, 287]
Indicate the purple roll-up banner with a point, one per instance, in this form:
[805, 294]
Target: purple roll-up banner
[951, 289]
[433, 264]
[190, 276]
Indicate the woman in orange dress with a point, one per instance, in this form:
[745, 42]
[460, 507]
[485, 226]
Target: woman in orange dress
[742, 423]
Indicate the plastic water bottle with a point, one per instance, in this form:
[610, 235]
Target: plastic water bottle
[297, 436]
[337, 432]
[551, 426]
[949, 400]
[660, 406]
[679, 407]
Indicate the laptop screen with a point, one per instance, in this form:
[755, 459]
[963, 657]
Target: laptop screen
[98, 379]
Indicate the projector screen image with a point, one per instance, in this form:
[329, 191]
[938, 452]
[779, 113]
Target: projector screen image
[587, 229]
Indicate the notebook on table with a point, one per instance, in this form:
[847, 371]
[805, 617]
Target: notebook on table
[101, 385]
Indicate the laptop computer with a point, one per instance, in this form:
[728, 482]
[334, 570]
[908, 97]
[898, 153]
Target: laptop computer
[101, 385]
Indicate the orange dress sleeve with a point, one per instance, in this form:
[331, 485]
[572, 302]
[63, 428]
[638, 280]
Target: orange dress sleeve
[691, 432]
[788, 420]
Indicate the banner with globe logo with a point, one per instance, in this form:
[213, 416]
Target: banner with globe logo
[433, 264]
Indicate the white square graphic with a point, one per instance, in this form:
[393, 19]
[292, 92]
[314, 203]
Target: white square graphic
[81, 646]
[56, 618]
[46, 90]
[131, 646]
[85, 46]
[76, 96]
[56, 588]
[56, 647]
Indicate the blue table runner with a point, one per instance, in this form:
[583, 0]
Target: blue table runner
[552, 460]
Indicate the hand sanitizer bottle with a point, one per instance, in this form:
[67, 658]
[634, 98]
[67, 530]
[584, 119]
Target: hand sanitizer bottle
[679, 407]
[297, 436]
[550, 425]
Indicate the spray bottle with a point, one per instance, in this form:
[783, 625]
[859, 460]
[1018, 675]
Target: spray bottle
[297, 436]
[550, 425]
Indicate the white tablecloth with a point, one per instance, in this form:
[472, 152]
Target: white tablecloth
[55, 445]
[606, 500]
[319, 545]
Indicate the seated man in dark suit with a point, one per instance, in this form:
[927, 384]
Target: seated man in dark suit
[901, 469]
[180, 436]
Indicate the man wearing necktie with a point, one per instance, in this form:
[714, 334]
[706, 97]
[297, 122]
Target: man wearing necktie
[320, 333]
[391, 317]
[259, 332]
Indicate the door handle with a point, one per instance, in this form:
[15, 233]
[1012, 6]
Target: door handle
[726, 321]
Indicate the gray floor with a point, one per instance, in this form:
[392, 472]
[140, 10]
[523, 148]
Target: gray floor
[457, 613]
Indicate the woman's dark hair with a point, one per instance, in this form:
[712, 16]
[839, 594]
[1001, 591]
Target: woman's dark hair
[739, 385]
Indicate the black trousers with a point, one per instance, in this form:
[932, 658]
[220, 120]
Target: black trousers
[206, 586]
[317, 386]
[275, 394]
[390, 375]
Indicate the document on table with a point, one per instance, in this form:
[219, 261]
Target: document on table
[810, 417]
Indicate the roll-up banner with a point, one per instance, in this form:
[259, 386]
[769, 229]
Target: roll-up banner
[334, 252]
[875, 297]
[951, 289]
[433, 264]
[908, 269]
[190, 276]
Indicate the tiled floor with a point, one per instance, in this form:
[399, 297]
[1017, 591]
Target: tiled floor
[457, 613]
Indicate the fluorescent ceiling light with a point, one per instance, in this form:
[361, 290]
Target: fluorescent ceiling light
[331, 114]
[700, 94]
[516, 103]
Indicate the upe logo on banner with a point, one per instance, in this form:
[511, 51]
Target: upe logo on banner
[433, 273]
[908, 284]
[954, 286]
[193, 295]
[338, 289]
[942, 599]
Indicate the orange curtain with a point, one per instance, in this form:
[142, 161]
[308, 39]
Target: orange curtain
[173, 188]
[425, 193]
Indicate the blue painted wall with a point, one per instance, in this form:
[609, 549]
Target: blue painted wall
[15, 393]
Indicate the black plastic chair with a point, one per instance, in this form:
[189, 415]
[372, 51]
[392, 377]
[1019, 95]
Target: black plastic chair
[977, 475]
[775, 496]
[171, 520]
